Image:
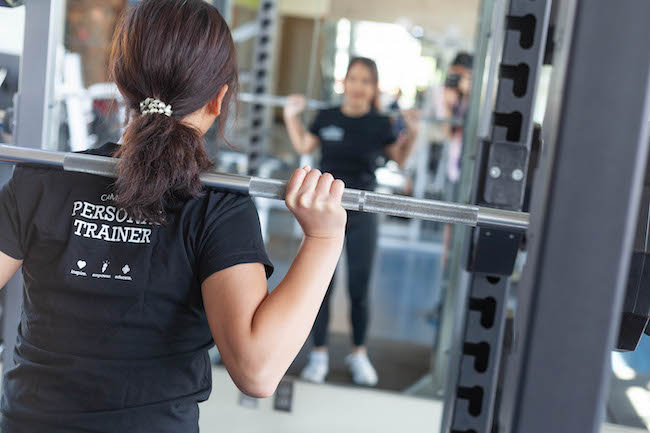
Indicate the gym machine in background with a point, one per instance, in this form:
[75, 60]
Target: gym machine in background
[260, 114]
[9, 73]
[501, 172]
[560, 386]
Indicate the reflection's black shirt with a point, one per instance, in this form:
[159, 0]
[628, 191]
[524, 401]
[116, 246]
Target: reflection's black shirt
[350, 146]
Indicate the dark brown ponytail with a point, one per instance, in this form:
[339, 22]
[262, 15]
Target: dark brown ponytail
[180, 52]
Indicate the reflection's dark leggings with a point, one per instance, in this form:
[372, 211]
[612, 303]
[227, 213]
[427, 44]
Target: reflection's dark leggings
[361, 243]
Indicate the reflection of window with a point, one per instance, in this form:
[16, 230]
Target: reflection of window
[343, 30]
[12, 23]
[397, 53]
[343, 35]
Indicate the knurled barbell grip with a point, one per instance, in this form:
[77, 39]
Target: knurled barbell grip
[408, 207]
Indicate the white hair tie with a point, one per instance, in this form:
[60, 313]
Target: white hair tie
[155, 106]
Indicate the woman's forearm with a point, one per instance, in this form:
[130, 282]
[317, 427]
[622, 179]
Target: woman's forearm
[408, 146]
[8, 267]
[297, 132]
[403, 148]
[284, 320]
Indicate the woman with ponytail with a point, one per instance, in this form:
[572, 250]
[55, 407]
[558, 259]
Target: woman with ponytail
[129, 283]
[351, 138]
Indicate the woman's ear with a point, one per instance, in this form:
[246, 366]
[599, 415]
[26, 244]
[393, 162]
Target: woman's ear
[216, 104]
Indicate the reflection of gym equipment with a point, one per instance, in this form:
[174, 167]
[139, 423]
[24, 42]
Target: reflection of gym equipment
[9, 73]
[264, 50]
[86, 125]
[278, 101]
[355, 200]
[500, 180]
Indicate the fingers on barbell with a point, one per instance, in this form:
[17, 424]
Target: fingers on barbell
[293, 186]
[307, 186]
[336, 191]
[324, 186]
[307, 190]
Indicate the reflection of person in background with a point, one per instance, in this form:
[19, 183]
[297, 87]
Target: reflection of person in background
[399, 124]
[455, 107]
[351, 138]
[456, 102]
[394, 106]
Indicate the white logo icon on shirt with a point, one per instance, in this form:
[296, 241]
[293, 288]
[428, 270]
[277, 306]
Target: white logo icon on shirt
[332, 133]
[81, 264]
[124, 277]
[105, 266]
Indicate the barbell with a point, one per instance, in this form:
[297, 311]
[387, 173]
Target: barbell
[110, 91]
[278, 101]
[315, 105]
[354, 200]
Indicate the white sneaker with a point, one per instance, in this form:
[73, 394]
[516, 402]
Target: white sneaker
[317, 367]
[363, 373]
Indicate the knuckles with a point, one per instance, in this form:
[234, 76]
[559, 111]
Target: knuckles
[314, 198]
[304, 202]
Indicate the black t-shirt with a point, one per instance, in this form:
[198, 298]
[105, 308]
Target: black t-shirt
[350, 146]
[113, 334]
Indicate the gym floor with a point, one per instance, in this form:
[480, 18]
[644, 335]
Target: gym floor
[404, 289]
[326, 409]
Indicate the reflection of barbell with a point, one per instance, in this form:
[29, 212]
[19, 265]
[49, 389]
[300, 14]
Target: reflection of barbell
[313, 104]
[278, 101]
[110, 91]
[354, 200]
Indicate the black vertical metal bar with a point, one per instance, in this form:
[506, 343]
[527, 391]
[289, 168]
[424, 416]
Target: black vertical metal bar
[261, 81]
[584, 213]
[500, 182]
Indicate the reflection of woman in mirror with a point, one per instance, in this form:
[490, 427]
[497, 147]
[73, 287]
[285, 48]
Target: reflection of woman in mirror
[351, 138]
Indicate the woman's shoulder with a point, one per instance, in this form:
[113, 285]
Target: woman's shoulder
[381, 116]
[31, 177]
[334, 110]
[212, 208]
[227, 198]
[214, 201]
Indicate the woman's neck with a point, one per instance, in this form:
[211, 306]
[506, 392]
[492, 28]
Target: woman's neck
[351, 110]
